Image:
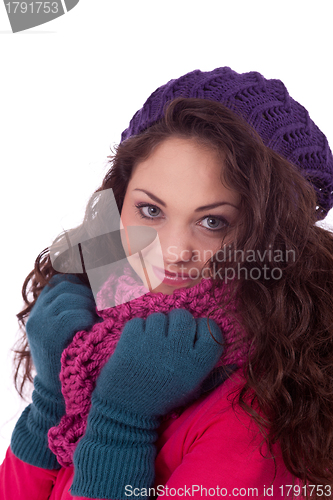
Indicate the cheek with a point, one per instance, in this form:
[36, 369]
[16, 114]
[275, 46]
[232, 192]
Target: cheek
[208, 250]
[126, 215]
[208, 243]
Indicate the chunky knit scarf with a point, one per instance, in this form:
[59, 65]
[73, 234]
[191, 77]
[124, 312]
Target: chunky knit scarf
[84, 358]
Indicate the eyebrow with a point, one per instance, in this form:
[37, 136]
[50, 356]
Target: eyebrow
[199, 209]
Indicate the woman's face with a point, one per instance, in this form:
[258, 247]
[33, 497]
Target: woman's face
[178, 192]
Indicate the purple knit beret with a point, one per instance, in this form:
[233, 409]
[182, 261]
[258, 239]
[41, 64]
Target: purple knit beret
[283, 124]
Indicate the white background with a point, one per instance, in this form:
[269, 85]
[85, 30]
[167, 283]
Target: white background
[69, 88]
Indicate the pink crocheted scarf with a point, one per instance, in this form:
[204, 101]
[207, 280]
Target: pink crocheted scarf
[84, 358]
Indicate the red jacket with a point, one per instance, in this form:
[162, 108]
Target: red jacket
[210, 450]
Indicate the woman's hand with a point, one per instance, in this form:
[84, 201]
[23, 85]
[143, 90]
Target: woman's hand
[159, 363]
[64, 307]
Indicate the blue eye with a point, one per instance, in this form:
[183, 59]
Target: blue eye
[214, 223]
[150, 212]
[147, 211]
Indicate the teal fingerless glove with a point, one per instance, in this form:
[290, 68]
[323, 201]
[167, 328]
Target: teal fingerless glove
[158, 365]
[64, 307]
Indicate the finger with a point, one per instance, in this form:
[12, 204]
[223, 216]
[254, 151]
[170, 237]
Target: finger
[133, 332]
[71, 302]
[209, 341]
[59, 286]
[209, 331]
[156, 326]
[182, 328]
[79, 319]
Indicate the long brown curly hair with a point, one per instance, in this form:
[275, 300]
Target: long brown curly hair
[285, 292]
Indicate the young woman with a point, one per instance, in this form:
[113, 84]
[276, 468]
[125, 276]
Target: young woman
[212, 374]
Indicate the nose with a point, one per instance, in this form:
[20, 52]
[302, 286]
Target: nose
[177, 244]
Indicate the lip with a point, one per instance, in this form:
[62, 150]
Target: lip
[169, 278]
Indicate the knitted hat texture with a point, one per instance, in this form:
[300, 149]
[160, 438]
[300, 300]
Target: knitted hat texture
[84, 358]
[283, 124]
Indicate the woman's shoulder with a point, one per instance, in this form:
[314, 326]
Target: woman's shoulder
[213, 409]
[214, 441]
[220, 405]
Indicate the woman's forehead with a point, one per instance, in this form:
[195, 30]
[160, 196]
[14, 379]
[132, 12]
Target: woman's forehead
[177, 159]
[182, 167]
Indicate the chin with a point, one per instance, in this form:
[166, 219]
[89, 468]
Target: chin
[168, 289]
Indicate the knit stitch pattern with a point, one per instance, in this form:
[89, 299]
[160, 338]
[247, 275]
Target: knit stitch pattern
[84, 358]
[283, 124]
